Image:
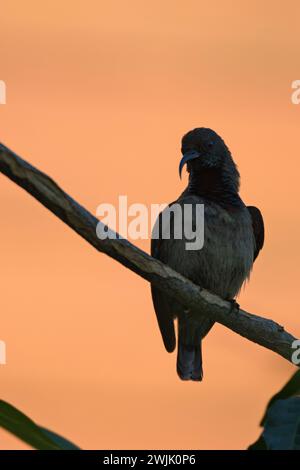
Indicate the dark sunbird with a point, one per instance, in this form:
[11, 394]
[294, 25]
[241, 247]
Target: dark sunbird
[233, 237]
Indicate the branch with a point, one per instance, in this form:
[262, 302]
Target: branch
[195, 299]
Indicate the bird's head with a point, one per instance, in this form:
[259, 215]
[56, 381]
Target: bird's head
[204, 150]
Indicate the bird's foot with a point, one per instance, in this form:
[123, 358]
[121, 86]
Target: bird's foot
[235, 307]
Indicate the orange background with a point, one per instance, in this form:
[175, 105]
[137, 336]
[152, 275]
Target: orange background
[98, 96]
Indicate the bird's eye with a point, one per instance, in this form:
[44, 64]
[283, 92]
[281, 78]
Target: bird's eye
[210, 144]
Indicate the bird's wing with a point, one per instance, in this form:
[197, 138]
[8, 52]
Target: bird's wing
[161, 301]
[258, 229]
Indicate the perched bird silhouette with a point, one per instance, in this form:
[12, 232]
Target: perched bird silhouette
[233, 237]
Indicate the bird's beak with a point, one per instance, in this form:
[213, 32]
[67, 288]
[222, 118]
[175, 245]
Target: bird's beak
[190, 155]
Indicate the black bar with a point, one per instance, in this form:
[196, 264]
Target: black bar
[137, 458]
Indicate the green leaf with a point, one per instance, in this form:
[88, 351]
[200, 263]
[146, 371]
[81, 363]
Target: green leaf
[260, 444]
[282, 425]
[291, 388]
[281, 420]
[25, 429]
[61, 441]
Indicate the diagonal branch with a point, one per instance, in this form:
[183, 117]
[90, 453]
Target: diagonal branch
[196, 300]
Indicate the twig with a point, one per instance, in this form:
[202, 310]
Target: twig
[198, 301]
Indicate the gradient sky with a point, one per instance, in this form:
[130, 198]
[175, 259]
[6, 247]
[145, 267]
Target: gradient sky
[98, 96]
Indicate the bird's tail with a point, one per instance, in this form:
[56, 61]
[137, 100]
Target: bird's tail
[189, 353]
[189, 361]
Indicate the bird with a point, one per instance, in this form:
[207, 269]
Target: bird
[233, 237]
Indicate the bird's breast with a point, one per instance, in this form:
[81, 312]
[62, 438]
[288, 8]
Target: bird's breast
[225, 260]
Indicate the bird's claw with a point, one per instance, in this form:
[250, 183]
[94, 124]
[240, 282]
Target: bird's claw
[234, 306]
